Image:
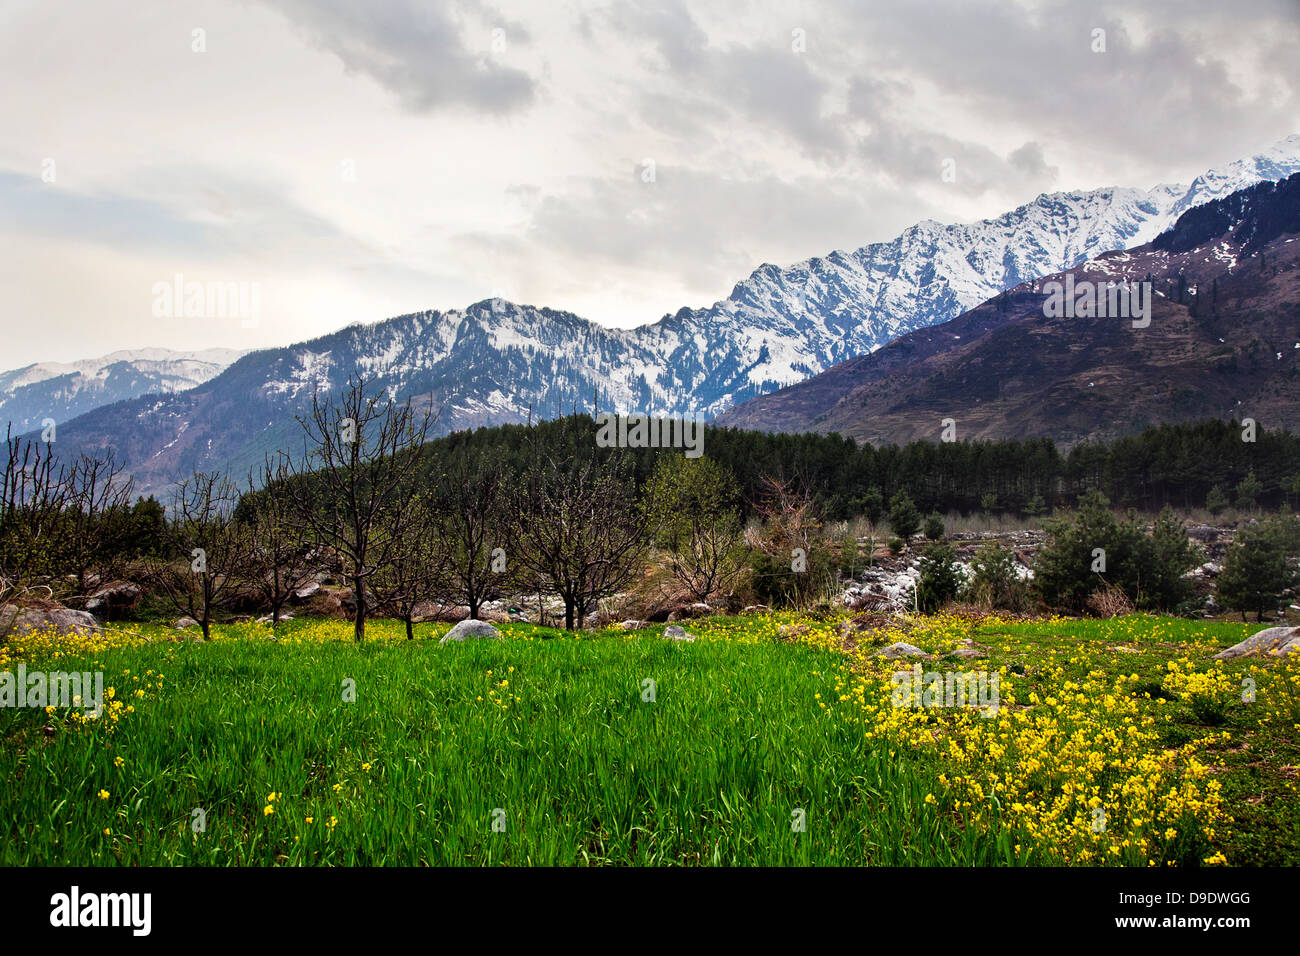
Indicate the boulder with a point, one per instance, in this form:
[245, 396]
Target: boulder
[267, 619]
[306, 592]
[969, 653]
[117, 597]
[470, 628]
[326, 604]
[631, 625]
[181, 623]
[16, 621]
[675, 632]
[901, 649]
[756, 609]
[1272, 641]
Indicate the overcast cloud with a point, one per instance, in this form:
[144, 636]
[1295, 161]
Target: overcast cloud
[618, 159]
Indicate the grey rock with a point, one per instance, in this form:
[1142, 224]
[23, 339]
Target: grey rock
[902, 649]
[470, 628]
[17, 621]
[675, 632]
[119, 596]
[1272, 641]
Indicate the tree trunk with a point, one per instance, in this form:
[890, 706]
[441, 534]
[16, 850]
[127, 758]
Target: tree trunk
[359, 594]
[568, 614]
[409, 633]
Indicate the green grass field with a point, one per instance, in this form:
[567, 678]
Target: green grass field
[751, 748]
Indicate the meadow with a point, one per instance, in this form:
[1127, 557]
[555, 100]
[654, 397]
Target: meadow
[771, 740]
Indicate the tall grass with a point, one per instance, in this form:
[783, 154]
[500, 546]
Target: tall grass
[566, 757]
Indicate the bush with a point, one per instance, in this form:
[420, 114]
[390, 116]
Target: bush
[1093, 551]
[904, 519]
[871, 506]
[995, 582]
[1257, 570]
[941, 581]
[1248, 492]
[1216, 502]
[850, 559]
[1110, 601]
[896, 546]
[778, 585]
[934, 526]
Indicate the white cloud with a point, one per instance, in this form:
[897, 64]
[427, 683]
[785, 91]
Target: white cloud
[498, 146]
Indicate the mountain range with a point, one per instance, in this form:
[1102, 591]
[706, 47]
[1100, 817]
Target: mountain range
[63, 390]
[497, 361]
[1223, 341]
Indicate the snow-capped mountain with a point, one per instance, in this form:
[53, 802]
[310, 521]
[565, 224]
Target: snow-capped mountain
[63, 390]
[1220, 342]
[495, 361]
[781, 326]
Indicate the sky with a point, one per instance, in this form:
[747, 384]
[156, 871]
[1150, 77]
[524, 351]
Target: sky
[349, 160]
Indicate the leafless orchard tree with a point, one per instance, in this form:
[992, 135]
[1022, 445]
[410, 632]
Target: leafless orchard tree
[34, 495]
[279, 557]
[206, 553]
[98, 496]
[578, 528]
[418, 568]
[356, 479]
[470, 504]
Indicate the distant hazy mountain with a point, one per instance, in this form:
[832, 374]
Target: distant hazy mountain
[494, 361]
[1223, 341]
[63, 390]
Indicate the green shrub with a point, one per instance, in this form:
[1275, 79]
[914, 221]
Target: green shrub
[1257, 570]
[940, 581]
[904, 519]
[1092, 551]
[995, 582]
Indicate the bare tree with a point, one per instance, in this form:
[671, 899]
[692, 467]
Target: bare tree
[470, 503]
[98, 496]
[280, 557]
[34, 495]
[790, 540]
[578, 529]
[355, 482]
[418, 567]
[207, 553]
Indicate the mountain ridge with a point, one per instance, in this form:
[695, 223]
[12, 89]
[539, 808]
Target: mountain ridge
[494, 361]
[1224, 341]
